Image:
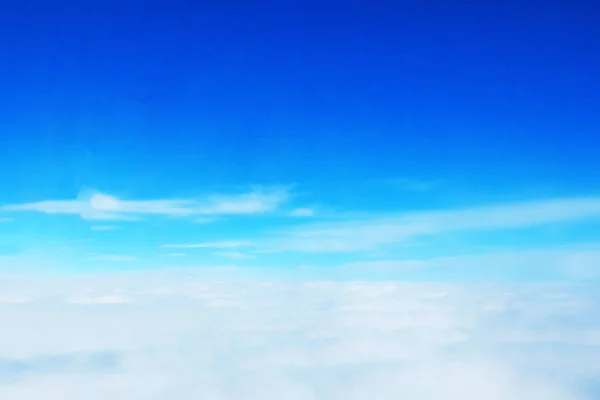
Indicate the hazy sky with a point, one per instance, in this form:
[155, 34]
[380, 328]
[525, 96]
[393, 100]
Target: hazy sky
[421, 140]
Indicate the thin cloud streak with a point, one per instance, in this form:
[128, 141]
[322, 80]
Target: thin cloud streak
[232, 254]
[371, 233]
[99, 206]
[570, 262]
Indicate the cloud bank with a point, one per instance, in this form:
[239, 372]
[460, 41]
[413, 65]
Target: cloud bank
[216, 335]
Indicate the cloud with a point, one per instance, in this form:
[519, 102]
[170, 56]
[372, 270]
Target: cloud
[232, 254]
[187, 335]
[226, 244]
[566, 262]
[100, 206]
[102, 299]
[93, 362]
[372, 232]
[6, 219]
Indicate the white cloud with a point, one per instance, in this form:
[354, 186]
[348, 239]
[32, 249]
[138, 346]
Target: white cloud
[100, 206]
[103, 202]
[372, 232]
[250, 203]
[186, 335]
[226, 244]
[102, 299]
[5, 219]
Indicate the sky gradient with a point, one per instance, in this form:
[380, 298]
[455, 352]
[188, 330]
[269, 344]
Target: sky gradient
[419, 140]
[299, 200]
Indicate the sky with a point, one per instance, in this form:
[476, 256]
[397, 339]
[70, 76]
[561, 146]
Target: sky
[300, 200]
[404, 140]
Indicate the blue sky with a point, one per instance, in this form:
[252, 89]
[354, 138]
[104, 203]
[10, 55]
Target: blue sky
[417, 140]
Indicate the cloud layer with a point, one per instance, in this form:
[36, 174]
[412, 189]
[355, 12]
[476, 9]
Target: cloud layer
[213, 335]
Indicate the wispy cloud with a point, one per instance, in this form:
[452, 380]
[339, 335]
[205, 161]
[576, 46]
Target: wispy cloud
[568, 262]
[228, 244]
[100, 206]
[232, 254]
[5, 219]
[371, 232]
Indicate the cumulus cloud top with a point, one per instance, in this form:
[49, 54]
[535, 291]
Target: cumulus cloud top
[168, 335]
